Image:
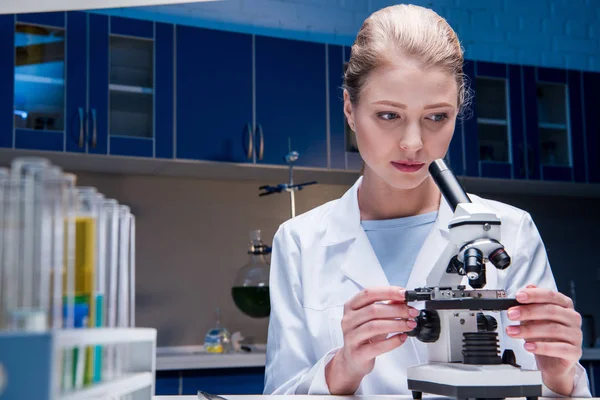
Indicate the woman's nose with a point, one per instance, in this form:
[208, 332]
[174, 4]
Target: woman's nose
[411, 139]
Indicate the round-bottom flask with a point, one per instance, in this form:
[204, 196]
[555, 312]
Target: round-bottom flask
[251, 286]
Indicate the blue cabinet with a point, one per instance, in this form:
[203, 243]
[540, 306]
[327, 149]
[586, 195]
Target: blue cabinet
[233, 381]
[87, 83]
[167, 383]
[528, 123]
[244, 98]
[493, 129]
[343, 145]
[554, 124]
[46, 104]
[130, 87]
[7, 77]
[214, 95]
[291, 101]
[337, 119]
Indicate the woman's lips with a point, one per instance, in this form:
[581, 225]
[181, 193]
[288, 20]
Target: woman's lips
[408, 166]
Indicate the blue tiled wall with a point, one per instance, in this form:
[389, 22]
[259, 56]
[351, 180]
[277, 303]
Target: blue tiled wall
[551, 33]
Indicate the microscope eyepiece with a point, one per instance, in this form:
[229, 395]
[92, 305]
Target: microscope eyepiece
[446, 181]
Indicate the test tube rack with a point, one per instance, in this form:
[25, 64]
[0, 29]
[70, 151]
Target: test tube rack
[30, 363]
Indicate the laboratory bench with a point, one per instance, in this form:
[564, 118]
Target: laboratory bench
[182, 370]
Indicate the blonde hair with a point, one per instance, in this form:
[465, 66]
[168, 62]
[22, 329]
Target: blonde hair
[405, 30]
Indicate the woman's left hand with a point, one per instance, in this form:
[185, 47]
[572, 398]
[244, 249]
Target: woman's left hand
[551, 329]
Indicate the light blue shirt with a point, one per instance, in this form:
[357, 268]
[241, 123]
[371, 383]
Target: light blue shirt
[397, 242]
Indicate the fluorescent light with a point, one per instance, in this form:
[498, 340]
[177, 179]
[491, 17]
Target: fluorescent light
[31, 6]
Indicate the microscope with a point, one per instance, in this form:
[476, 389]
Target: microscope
[463, 349]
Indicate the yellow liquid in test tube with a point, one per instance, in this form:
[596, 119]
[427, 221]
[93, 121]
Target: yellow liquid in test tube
[85, 273]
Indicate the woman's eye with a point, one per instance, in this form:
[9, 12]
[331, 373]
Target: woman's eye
[387, 115]
[438, 117]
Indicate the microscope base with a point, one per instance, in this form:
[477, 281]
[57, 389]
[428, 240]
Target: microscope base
[466, 381]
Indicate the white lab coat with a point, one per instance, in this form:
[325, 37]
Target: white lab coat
[323, 258]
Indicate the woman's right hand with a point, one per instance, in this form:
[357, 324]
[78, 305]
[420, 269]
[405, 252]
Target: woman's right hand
[366, 325]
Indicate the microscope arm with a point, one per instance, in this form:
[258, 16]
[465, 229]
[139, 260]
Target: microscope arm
[439, 275]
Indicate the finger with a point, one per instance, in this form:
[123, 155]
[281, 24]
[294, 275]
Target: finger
[379, 338]
[380, 311]
[563, 351]
[371, 295]
[539, 295]
[372, 329]
[372, 350]
[547, 331]
[550, 312]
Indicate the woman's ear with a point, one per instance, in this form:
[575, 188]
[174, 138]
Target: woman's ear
[348, 111]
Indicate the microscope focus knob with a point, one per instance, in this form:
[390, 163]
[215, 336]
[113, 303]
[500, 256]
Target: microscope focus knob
[486, 323]
[428, 327]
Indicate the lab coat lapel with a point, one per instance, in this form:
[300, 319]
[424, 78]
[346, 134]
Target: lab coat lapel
[361, 264]
[344, 230]
[432, 248]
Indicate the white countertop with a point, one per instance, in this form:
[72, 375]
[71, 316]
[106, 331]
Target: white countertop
[302, 397]
[295, 397]
[194, 357]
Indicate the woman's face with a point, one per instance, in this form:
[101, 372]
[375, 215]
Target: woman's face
[403, 121]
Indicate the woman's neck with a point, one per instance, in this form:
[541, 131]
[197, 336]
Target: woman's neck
[378, 200]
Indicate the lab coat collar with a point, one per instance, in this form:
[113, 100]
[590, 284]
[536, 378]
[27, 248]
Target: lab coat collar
[361, 264]
[343, 222]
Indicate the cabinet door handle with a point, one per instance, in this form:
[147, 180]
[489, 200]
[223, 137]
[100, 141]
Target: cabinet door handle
[81, 126]
[94, 129]
[261, 143]
[248, 142]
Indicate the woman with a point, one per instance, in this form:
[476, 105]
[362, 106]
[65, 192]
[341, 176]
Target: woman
[338, 271]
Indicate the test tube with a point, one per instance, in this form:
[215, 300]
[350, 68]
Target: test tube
[57, 191]
[111, 208]
[4, 174]
[100, 282]
[123, 282]
[25, 205]
[31, 210]
[132, 271]
[85, 275]
[72, 202]
[11, 282]
[72, 209]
